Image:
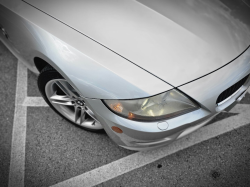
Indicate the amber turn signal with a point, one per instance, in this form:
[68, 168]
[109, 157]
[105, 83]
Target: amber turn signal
[117, 129]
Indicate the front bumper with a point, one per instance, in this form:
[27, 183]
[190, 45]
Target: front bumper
[144, 136]
[147, 135]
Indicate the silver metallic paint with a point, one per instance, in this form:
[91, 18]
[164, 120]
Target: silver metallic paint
[200, 36]
[186, 42]
[93, 70]
[207, 89]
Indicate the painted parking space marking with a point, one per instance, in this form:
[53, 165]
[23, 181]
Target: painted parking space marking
[34, 102]
[113, 169]
[17, 159]
[139, 159]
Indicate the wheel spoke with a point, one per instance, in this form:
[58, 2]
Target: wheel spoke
[77, 111]
[90, 113]
[90, 122]
[61, 100]
[79, 115]
[67, 88]
[82, 115]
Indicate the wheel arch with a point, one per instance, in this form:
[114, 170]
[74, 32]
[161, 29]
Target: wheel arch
[40, 63]
[40, 60]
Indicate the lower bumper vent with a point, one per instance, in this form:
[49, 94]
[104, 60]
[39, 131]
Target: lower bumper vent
[228, 92]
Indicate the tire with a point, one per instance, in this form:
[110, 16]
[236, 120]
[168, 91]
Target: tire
[65, 101]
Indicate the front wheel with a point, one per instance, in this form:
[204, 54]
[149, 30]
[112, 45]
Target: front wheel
[65, 100]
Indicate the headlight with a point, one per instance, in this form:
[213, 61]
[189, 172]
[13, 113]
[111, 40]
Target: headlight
[160, 107]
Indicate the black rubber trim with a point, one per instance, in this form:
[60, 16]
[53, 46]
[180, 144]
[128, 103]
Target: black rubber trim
[231, 90]
[130, 60]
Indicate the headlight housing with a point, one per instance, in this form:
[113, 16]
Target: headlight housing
[160, 107]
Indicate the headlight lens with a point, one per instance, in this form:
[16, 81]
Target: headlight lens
[160, 107]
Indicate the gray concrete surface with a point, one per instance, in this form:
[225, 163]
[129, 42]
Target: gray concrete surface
[8, 68]
[32, 88]
[223, 161]
[57, 150]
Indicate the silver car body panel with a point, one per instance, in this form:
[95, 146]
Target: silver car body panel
[146, 135]
[197, 36]
[207, 89]
[93, 70]
[201, 62]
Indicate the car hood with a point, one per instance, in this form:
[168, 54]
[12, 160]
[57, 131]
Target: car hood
[177, 41]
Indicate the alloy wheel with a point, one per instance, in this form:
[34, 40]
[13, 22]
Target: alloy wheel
[70, 104]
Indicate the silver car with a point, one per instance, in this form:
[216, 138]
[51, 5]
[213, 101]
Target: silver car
[148, 72]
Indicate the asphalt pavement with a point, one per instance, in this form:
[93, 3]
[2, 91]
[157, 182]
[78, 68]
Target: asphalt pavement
[56, 152]
[8, 69]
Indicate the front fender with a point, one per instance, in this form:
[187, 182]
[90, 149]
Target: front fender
[95, 71]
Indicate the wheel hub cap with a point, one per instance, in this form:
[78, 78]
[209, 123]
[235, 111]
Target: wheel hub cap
[80, 103]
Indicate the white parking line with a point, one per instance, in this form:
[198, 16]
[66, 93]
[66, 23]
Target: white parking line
[35, 102]
[17, 160]
[116, 168]
[139, 159]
